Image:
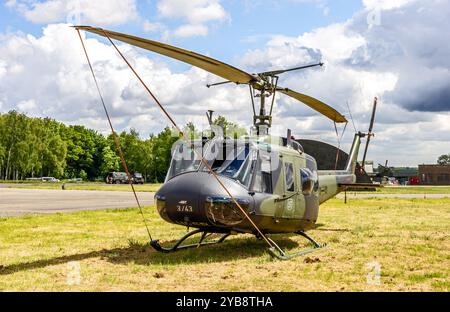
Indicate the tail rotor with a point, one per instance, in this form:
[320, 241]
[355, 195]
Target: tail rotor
[370, 134]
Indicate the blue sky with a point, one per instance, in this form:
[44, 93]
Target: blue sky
[249, 25]
[395, 50]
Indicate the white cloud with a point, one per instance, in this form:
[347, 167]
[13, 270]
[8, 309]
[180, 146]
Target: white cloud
[330, 44]
[385, 4]
[152, 27]
[2, 68]
[27, 106]
[409, 41]
[190, 30]
[196, 15]
[99, 12]
[334, 41]
[277, 55]
[194, 11]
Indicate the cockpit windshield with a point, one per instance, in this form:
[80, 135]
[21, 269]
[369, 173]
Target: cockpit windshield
[234, 159]
[184, 159]
[229, 158]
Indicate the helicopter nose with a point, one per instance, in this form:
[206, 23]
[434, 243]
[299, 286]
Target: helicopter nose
[193, 198]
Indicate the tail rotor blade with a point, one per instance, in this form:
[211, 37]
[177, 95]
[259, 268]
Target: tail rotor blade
[370, 134]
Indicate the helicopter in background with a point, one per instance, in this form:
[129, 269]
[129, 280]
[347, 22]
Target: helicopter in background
[258, 184]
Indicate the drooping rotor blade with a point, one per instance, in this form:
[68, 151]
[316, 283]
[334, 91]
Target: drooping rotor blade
[370, 134]
[315, 104]
[209, 64]
[278, 72]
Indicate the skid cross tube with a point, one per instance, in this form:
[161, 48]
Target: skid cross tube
[157, 246]
[282, 255]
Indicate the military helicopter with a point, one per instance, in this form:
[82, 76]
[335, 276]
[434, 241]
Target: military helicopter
[258, 184]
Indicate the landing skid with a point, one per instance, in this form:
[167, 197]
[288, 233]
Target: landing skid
[157, 246]
[279, 253]
[275, 251]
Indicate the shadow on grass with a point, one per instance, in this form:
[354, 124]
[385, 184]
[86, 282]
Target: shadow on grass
[320, 227]
[144, 254]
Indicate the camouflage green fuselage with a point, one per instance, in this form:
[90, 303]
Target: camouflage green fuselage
[288, 201]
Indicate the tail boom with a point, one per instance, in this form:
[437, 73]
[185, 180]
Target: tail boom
[330, 181]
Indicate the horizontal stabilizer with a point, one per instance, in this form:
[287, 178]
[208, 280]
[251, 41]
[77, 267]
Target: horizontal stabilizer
[360, 185]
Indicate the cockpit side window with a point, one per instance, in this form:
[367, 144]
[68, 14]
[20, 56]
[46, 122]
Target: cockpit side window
[311, 165]
[245, 173]
[289, 176]
[263, 176]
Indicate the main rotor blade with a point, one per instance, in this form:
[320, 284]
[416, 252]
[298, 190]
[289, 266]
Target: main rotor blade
[315, 104]
[209, 64]
[278, 72]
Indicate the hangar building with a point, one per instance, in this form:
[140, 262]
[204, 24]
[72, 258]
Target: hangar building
[434, 174]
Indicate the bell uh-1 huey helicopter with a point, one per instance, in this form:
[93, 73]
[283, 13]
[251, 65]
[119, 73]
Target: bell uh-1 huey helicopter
[257, 184]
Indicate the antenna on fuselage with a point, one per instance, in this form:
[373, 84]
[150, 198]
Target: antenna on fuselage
[209, 115]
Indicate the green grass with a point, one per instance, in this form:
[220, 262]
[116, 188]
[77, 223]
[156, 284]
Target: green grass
[408, 238]
[413, 190]
[20, 182]
[99, 186]
[90, 186]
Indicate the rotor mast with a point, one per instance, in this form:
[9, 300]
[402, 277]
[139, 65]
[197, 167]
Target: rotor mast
[263, 121]
[267, 87]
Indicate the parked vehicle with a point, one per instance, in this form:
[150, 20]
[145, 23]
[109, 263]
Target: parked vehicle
[138, 178]
[116, 178]
[49, 179]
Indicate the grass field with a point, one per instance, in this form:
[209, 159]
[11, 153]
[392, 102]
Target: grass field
[407, 238]
[90, 186]
[413, 190]
[155, 187]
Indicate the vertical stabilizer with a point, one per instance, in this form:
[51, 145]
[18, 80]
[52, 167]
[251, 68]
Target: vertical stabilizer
[350, 167]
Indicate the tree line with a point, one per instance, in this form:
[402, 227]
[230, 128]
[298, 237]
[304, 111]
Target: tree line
[37, 147]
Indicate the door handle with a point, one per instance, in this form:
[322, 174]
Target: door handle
[278, 200]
